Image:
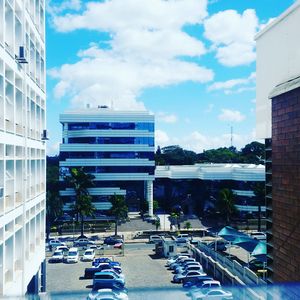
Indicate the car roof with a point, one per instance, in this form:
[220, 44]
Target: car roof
[104, 273]
[211, 281]
[73, 249]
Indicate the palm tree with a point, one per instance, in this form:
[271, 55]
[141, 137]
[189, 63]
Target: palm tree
[119, 209]
[226, 204]
[80, 182]
[259, 192]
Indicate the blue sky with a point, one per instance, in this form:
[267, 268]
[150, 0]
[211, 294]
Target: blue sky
[191, 62]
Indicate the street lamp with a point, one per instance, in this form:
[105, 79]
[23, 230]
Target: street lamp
[73, 228]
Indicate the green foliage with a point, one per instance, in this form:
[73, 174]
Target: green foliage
[119, 209]
[144, 207]
[253, 153]
[157, 223]
[226, 204]
[80, 182]
[187, 225]
[155, 205]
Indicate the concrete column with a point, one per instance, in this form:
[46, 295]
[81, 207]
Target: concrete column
[149, 196]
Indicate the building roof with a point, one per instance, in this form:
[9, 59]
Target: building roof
[285, 87]
[243, 172]
[279, 19]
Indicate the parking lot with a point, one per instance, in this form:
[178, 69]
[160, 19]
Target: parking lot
[146, 276]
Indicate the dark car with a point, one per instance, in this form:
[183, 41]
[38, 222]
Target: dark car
[112, 240]
[197, 281]
[100, 260]
[221, 245]
[89, 272]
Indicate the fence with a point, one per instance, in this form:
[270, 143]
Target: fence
[230, 273]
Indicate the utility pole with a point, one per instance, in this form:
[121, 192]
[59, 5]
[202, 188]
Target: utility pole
[231, 136]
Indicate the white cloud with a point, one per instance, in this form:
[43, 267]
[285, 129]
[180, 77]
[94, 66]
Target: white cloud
[146, 43]
[161, 138]
[166, 118]
[53, 148]
[232, 36]
[197, 141]
[55, 8]
[231, 115]
[235, 86]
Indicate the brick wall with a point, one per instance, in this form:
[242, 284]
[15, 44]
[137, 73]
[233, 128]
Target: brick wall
[286, 186]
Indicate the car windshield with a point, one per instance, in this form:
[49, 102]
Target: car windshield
[72, 253]
[88, 253]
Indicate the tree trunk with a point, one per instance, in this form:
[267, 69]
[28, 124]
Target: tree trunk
[116, 227]
[259, 217]
[82, 224]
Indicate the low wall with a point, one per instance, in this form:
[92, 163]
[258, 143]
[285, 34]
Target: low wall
[224, 274]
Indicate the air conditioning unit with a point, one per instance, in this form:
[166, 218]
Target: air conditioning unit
[21, 58]
[44, 135]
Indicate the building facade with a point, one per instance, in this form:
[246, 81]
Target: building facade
[278, 119]
[196, 187]
[22, 150]
[117, 147]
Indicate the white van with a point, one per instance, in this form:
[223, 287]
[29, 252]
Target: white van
[73, 255]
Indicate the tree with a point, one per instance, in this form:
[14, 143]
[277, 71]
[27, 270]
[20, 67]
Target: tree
[119, 209]
[259, 192]
[188, 225]
[80, 182]
[155, 205]
[226, 204]
[54, 204]
[157, 224]
[144, 208]
[253, 153]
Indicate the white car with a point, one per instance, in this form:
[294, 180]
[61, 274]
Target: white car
[56, 243]
[108, 294]
[205, 285]
[215, 294]
[64, 249]
[178, 278]
[73, 255]
[88, 255]
[195, 267]
[154, 238]
[58, 256]
[257, 235]
[175, 258]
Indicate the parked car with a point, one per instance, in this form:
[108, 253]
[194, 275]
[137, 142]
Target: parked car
[73, 255]
[256, 264]
[194, 267]
[100, 260]
[182, 262]
[195, 282]
[89, 272]
[211, 295]
[56, 243]
[111, 240]
[206, 284]
[188, 274]
[118, 245]
[107, 280]
[88, 255]
[221, 245]
[185, 265]
[113, 294]
[83, 243]
[64, 249]
[182, 241]
[257, 235]
[58, 256]
[154, 238]
[174, 258]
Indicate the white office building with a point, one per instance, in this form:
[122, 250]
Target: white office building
[22, 149]
[117, 147]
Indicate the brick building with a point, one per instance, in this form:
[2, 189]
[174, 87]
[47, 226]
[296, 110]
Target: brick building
[278, 122]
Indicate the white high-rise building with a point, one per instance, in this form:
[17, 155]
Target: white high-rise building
[22, 146]
[117, 147]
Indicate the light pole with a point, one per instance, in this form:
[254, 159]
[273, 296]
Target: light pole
[73, 229]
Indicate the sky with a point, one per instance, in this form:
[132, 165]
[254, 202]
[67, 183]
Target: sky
[190, 62]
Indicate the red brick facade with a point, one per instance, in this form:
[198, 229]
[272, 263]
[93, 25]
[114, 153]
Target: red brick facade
[286, 187]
